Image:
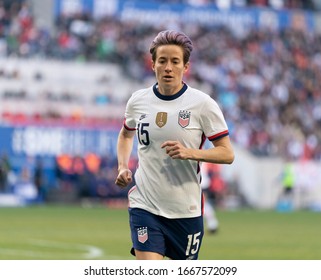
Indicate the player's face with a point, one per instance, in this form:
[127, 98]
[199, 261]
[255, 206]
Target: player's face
[169, 68]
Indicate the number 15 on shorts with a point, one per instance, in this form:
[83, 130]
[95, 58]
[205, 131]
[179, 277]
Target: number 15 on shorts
[193, 244]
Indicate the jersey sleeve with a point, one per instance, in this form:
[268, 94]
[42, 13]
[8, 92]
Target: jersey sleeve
[213, 121]
[129, 119]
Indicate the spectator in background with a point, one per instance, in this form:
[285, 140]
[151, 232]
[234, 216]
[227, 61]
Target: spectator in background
[64, 171]
[4, 171]
[217, 187]
[25, 188]
[286, 199]
[39, 180]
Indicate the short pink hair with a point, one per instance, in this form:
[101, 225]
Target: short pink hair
[170, 37]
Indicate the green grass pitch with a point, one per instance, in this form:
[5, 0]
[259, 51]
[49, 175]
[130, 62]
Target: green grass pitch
[76, 233]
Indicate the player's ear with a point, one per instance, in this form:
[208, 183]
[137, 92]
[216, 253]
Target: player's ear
[186, 67]
[153, 65]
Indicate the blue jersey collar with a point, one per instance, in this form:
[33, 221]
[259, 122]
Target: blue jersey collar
[169, 97]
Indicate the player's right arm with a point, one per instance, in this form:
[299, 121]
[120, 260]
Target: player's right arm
[124, 149]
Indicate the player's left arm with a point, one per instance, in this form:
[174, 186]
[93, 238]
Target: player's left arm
[222, 152]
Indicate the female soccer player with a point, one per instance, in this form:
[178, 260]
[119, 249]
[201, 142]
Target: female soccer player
[172, 121]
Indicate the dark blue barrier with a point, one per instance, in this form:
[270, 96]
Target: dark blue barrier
[26, 146]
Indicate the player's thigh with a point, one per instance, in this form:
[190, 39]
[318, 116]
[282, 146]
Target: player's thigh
[146, 233]
[143, 255]
[183, 238]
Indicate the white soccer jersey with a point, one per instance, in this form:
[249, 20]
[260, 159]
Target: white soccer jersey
[165, 186]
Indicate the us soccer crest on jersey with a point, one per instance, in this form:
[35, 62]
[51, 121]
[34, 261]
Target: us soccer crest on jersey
[183, 118]
[142, 234]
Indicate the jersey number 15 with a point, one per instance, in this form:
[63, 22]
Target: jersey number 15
[142, 134]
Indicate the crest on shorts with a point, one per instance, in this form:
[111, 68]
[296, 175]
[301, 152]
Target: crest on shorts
[161, 119]
[183, 118]
[142, 234]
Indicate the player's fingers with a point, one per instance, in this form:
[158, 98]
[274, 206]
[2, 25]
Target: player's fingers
[174, 153]
[119, 183]
[129, 178]
[119, 180]
[168, 144]
[171, 150]
[124, 178]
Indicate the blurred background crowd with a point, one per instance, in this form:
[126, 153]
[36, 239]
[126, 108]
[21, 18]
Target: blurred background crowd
[267, 81]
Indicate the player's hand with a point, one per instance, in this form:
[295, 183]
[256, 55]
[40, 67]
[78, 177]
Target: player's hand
[176, 150]
[124, 178]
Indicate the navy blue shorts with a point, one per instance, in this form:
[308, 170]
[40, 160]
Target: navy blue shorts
[177, 239]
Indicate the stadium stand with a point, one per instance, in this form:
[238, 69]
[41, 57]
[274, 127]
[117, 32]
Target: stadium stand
[262, 80]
